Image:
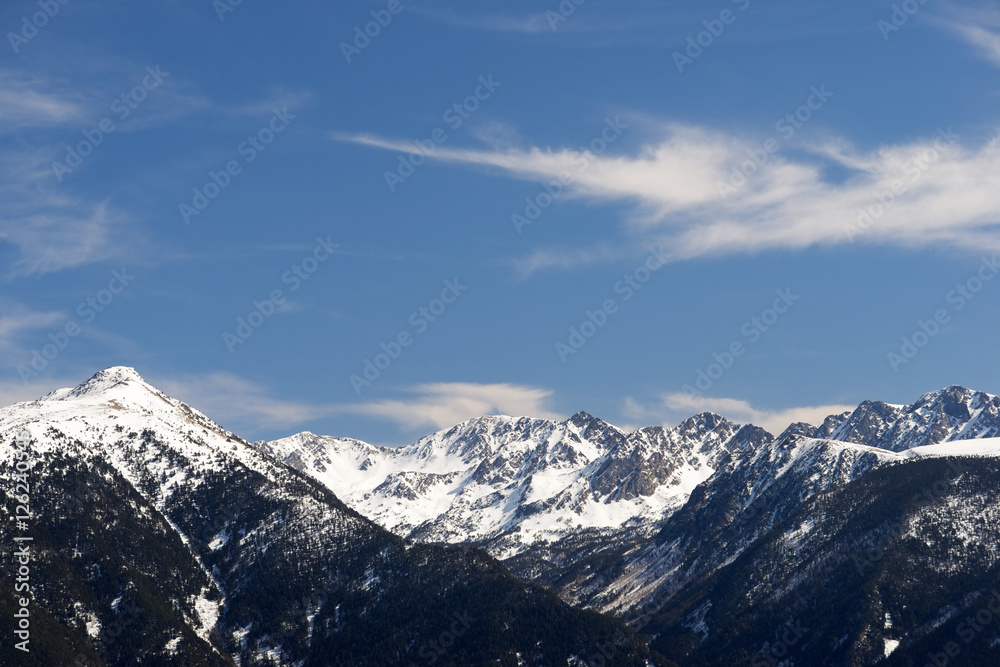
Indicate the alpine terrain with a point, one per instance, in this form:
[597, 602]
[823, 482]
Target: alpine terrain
[156, 537]
[716, 538]
[138, 531]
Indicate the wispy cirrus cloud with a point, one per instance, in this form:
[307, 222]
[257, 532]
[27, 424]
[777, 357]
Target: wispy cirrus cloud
[17, 321]
[674, 407]
[530, 24]
[52, 226]
[674, 187]
[230, 399]
[55, 239]
[78, 98]
[31, 101]
[619, 21]
[444, 404]
[541, 259]
[11, 324]
[275, 97]
[982, 30]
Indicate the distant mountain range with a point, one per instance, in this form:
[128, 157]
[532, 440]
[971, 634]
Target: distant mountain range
[862, 540]
[159, 538]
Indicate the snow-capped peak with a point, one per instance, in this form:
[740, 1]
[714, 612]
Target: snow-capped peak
[952, 413]
[116, 415]
[113, 382]
[516, 480]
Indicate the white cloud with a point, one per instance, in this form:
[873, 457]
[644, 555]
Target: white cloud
[69, 235]
[653, 24]
[531, 24]
[243, 405]
[979, 27]
[948, 190]
[675, 407]
[987, 41]
[15, 323]
[53, 228]
[29, 102]
[445, 404]
[276, 97]
[11, 325]
[85, 91]
[227, 398]
[565, 258]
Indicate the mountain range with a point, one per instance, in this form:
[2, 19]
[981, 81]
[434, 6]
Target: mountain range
[162, 537]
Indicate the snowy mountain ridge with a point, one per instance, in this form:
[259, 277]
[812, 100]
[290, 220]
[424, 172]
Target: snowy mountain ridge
[630, 523]
[118, 401]
[513, 481]
[146, 513]
[508, 482]
[637, 524]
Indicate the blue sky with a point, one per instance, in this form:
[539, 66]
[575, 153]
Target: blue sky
[638, 209]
